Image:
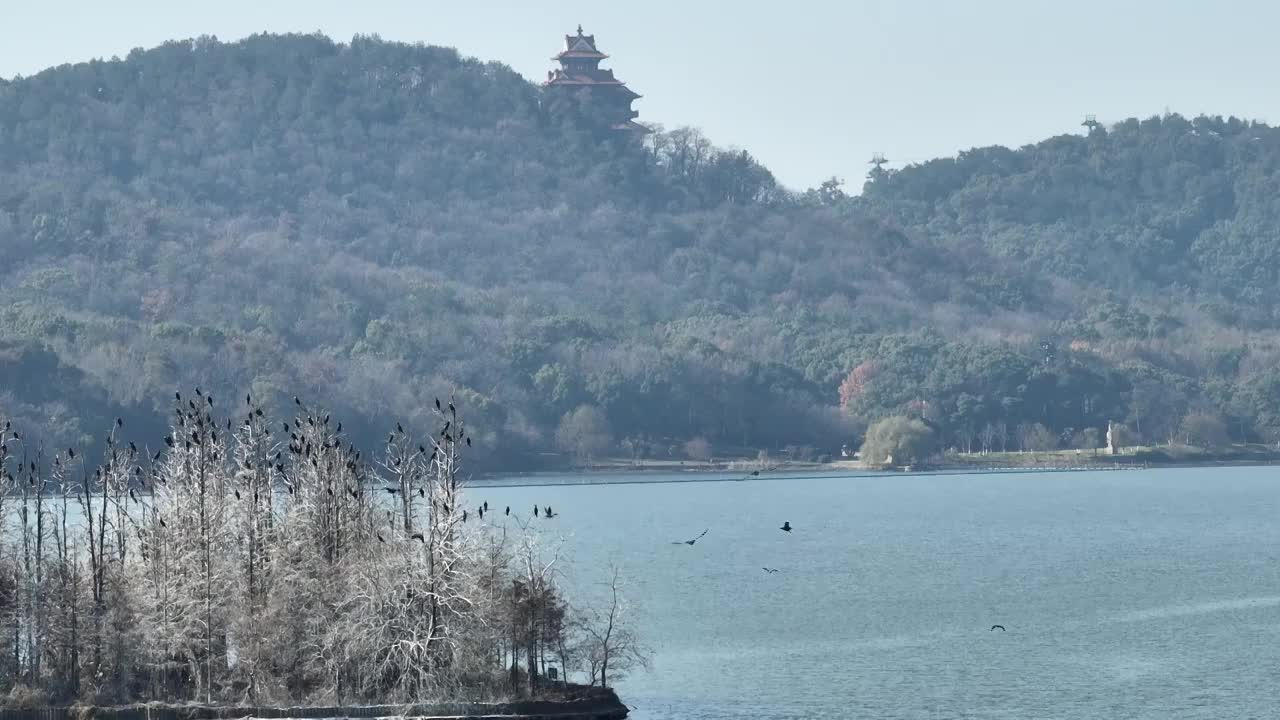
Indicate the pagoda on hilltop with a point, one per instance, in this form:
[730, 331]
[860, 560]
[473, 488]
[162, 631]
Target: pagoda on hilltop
[580, 70]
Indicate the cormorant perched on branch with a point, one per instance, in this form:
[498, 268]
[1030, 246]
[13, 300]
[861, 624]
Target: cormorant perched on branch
[119, 422]
[168, 440]
[380, 538]
[399, 429]
[535, 511]
[437, 404]
[133, 448]
[296, 401]
[508, 510]
[452, 410]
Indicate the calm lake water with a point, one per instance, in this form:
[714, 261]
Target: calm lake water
[1137, 594]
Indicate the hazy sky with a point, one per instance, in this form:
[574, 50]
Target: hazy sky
[811, 87]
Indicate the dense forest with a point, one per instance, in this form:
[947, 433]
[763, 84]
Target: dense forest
[380, 223]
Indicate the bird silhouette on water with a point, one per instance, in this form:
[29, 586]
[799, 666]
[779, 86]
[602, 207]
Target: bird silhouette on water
[786, 526]
[690, 542]
[998, 627]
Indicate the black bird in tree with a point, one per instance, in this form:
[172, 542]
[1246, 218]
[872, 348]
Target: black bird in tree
[162, 523]
[468, 441]
[464, 516]
[422, 492]
[786, 526]
[392, 491]
[71, 453]
[486, 506]
[248, 400]
[178, 396]
[482, 513]
[133, 449]
[237, 492]
[690, 542]
[119, 422]
[420, 537]
[535, 511]
[399, 429]
[437, 404]
[380, 539]
[168, 440]
[508, 510]
[198, 393]
[452, 410]
[296, 401]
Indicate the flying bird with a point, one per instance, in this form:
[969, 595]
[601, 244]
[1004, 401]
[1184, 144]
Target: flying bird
[690, 542]
[999, 627]
[548, 512]
[770, 570]
[786, 526]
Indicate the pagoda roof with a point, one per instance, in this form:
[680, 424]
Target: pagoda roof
[633, 126]
[603, 77]
[580, 46]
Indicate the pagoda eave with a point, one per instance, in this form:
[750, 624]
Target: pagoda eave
[581, 54]
[632, 126]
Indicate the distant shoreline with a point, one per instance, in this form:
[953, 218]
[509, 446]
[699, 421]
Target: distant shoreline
[616, 471]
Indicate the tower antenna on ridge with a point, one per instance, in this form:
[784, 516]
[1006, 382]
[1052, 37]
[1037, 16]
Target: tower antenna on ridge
[878, 159]
[1091, 122]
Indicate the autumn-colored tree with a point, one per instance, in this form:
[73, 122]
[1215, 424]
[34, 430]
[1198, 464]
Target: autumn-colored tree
[856, 382]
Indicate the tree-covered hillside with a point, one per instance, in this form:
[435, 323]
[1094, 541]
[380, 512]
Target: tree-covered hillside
[380, 223]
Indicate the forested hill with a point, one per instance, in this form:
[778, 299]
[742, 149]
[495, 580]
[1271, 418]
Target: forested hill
[374, 224]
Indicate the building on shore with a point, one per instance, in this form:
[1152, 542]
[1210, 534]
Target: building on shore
[580, 71]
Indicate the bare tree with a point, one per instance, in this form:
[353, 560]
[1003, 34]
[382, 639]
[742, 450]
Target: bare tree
[612, 642]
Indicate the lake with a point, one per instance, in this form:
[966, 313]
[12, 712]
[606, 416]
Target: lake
[1137, 594]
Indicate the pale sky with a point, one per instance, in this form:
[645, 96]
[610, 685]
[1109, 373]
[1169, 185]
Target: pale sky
[810, 87]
